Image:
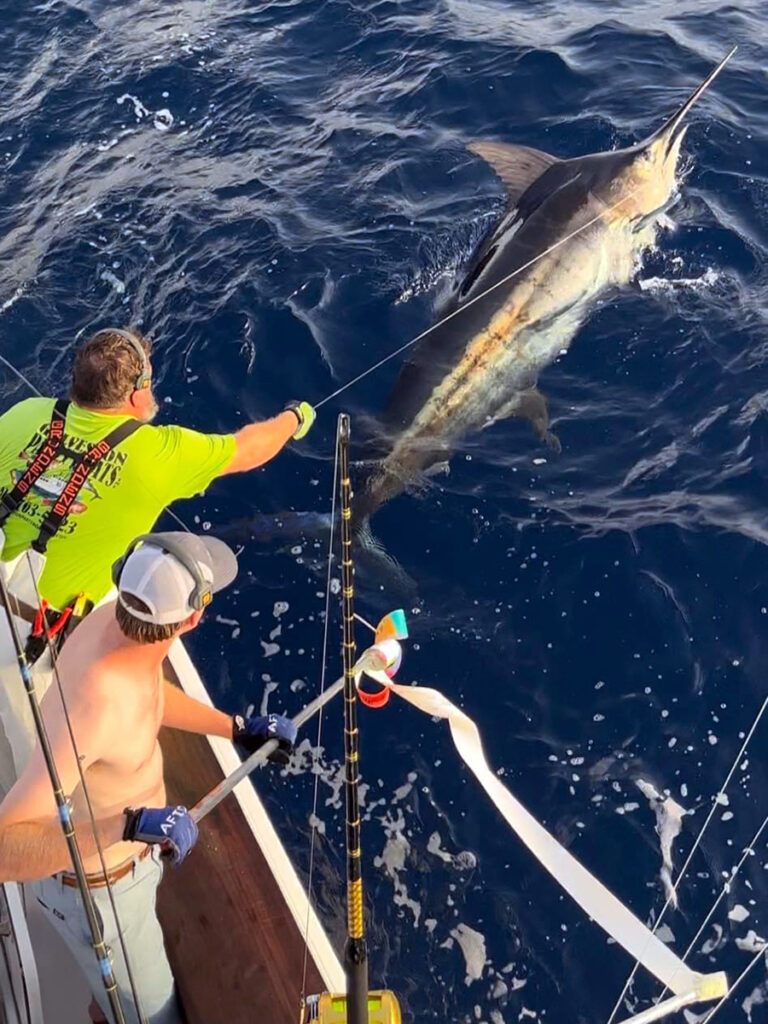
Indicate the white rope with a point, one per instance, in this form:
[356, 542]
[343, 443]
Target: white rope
[482, 295]
[316, 750]
[673, 893]
[595, 899]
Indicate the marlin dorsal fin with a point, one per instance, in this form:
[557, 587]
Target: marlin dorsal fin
[517, 166]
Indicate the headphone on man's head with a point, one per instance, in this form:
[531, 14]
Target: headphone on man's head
[201, 595]
[144, 380]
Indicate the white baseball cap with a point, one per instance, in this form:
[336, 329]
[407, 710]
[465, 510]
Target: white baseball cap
[174, 574]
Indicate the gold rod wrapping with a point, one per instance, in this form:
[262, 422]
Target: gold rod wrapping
[356, 955]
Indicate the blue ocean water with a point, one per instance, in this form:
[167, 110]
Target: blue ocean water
[278, 192]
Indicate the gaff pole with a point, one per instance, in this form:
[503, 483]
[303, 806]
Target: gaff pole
[258, 757]
[65, 816]
[356, 951]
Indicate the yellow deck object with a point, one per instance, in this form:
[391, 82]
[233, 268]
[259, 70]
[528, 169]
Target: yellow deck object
[383, 1008]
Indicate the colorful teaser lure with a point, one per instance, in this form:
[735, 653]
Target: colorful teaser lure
[386, 655]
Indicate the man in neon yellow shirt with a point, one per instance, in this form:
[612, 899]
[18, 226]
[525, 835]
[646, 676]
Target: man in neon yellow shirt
[104, 498]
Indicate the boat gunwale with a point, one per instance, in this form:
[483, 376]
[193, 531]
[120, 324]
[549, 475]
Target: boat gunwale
[255, 814]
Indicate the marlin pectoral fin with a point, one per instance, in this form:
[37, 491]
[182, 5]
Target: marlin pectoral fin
[640, 223]
[530, 405]
[517, 166]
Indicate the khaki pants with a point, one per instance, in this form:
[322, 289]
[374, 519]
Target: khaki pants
[134, 896]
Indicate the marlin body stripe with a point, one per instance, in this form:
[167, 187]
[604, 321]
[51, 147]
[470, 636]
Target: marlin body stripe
[532, 326]
[574, 228]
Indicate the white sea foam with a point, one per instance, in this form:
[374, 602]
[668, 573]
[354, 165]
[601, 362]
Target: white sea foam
[751, 942]
[712, 943]
[738, 914]
[500, 989]
[709, 278]
[110, 278]
[757, 997]
[472, 945]
[695, 1018]
[163, 120]
[434, 846]
[403, 791]
[138, 107]
[669, 821]
[226, 622]
[268, 688]
[393, 858]
[13, 299]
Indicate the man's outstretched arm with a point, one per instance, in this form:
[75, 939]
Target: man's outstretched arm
[184, 712]
[249, 731]
[259, 442]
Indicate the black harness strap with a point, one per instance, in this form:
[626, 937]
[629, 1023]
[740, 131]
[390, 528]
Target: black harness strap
[56, 515]
[42, 460]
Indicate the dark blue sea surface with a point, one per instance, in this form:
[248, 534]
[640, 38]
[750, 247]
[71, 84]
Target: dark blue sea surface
[279, 193]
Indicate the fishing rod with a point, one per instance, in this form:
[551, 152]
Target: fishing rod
[100, 949]
[356, 949]
[358, 1005]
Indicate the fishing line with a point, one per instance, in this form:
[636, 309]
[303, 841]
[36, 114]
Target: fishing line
[316, 750]
[694, 848]
[482, 295]
[365, 622]
[748, 851]
[86, 794]
[21, 376]
[63, 805]
[763, 949]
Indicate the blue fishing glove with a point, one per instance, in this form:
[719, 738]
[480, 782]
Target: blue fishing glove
[253, 731]
[305, 414]
[171, 827]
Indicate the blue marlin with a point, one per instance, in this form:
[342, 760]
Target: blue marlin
[572, 229]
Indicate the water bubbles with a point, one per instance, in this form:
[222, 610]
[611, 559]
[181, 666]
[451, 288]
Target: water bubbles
[465, 861]
[163, 120]
[139, 109]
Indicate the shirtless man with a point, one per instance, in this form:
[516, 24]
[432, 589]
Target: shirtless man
[111, 671]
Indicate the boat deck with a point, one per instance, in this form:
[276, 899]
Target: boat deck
[234, 914]
[234, 947]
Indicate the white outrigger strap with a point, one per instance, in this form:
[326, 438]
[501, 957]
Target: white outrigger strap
[592, 896]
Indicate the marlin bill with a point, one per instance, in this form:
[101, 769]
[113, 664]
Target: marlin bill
[572, 229]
